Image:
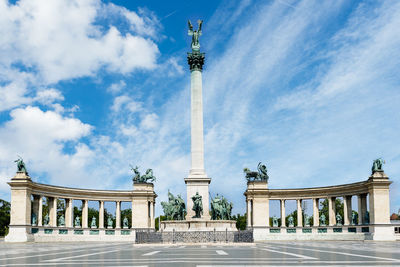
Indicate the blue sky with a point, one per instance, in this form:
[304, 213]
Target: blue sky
[311, 88]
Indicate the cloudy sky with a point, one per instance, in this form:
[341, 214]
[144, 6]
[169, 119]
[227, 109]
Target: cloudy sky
[311, 88]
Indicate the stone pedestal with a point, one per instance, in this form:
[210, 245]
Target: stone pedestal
[143, 206]
[198, 225]
[199, 185]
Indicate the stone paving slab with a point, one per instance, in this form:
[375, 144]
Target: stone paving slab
[280, 254]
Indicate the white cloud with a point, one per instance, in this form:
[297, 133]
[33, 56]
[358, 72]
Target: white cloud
[48, 96]
[150, 121]
[116, 87]
[126, 102]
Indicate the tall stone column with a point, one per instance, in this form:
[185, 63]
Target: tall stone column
[151, 215]
[40, 212]
[118, 215]
[35, 206]
[283, 213]
[362, 208]
[248, 214]
[53, 211]
[347, 210]
[197, 181]
[69, 212]
[101, 214]
[332, 210]
[315, 212]
[299, 214]
[85, 213]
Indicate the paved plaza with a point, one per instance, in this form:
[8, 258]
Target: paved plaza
[259, 254]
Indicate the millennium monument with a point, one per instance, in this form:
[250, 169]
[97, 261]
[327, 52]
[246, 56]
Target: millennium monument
[35, 215]
[198, 215]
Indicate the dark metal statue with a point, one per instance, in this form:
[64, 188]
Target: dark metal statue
[377, 165]
[197, 205]
[260, 175]
[21, 165]
[221, 209]
[146, 178]
[175, 208]
[195, 35]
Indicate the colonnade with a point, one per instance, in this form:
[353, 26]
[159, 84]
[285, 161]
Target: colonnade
[372, 218]
[37, 208]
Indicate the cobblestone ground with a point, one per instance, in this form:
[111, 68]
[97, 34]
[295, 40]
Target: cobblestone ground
[258, 254]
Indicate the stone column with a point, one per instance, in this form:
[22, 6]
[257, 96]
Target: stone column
[315, 212]
[362, 207]
[69, 212]
[283, 213]
[248, 213]
[332, 211]
[85, 213]
[118, 216]
[35, 206]
[101, 214]
[40, 212]
[151, 214]
[299, 214]
[347, 210]
[53, 211]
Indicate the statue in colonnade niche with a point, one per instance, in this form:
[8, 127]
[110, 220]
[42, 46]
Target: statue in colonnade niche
[221, 209]
[259, 175]
[322, 220]
[175, 208]
[147, 177]
[290, 221]
[61, 221]
[274, 222]
[46, 219]
[125, 222]
[77, 222]
[354, 218]
[338, 219]
[21, 165]
[109, 222]
[306, 220]
[34, 219]
[93, 225]
[197, 205]
[366, 217]
[377, 165]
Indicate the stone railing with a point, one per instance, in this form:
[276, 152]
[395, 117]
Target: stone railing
[371, 224]
[27, 222]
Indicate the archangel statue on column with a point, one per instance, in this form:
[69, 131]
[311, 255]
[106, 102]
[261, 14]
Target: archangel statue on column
[195, 35]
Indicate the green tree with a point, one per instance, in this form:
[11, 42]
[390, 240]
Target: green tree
[240, 221]
[93, 213]
[324, 209]
[5, 208]
[157, 223]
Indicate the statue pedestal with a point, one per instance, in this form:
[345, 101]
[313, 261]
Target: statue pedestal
[198, 225]
[197, 185]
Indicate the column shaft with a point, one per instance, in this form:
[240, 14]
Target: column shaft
[332, 210]
[248, 213]
[299, 214]
[118, 215]
[69, 212]
[347, 210]
[101, 214]
[85, 213]
[151, 215]
[53, 211]
[40, 212]
[283, 213]
[315, 212]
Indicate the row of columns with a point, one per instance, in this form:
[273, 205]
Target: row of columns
[69, 212]
[347, 211]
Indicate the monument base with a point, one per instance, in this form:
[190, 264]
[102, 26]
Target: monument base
[198, 225]
[18, 234]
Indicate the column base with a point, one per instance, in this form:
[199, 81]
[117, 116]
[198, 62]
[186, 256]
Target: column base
[18, 234]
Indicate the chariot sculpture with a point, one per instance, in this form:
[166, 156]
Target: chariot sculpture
[21, 165]
[259, 175]
[148, 177]
[377, 165]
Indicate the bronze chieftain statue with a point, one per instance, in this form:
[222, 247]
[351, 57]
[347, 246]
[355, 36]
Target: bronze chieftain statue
[174, 209]
[377, 165]
[221, 209]
[197, 205]
[195, 35]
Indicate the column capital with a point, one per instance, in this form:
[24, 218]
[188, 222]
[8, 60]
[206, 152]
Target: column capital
[196, 60]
